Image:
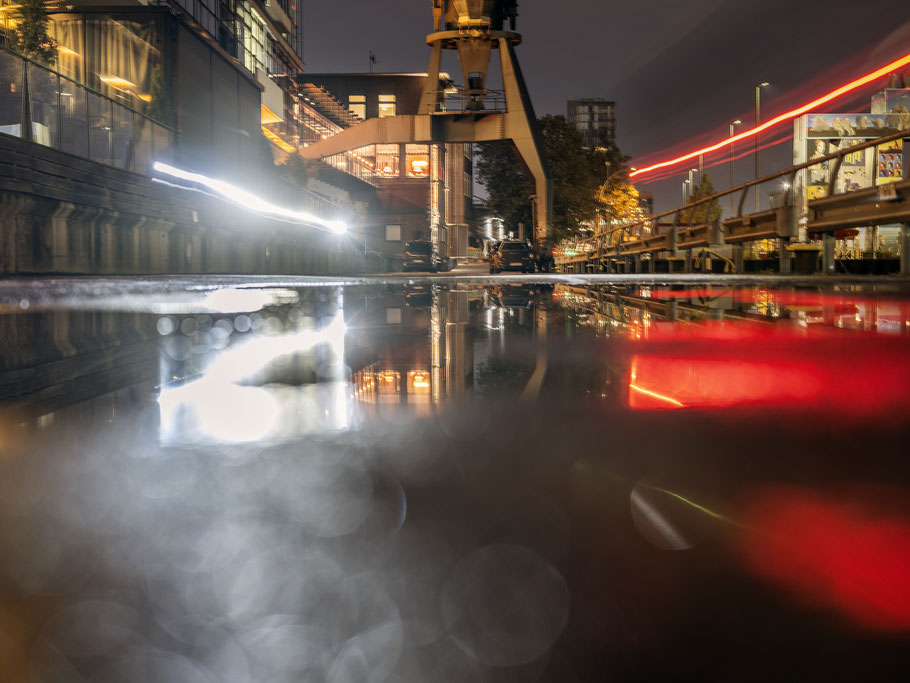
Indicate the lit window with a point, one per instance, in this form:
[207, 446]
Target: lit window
[417, 161]
[387, 160]
[386, 106]
[393, 233]
[357, 104]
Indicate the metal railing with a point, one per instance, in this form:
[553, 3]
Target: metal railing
[41, 105]
[579, 249]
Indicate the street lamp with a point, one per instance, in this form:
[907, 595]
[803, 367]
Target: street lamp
[691, 179]
[734, 123]
[757, 124]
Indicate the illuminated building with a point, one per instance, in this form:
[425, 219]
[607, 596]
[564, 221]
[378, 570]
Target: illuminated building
[215, 71]
[816, 134]
[410, 192]
[594, 118]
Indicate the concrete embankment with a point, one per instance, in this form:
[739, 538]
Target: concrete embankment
[63, 214]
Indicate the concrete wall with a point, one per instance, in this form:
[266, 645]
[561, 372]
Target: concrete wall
[62, 214]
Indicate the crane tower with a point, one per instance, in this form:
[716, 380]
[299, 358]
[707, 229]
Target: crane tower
[475, 29]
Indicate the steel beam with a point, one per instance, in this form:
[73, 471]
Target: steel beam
[863, 208]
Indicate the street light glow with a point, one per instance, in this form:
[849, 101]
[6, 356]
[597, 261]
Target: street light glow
[809, 106]
[249, 201]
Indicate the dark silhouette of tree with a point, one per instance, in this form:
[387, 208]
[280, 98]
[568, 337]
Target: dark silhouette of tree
[577, 175]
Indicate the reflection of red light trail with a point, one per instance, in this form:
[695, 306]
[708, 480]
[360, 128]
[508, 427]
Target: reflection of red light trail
[777, 297]
[719, 366]
[850, 556]
[793, 113]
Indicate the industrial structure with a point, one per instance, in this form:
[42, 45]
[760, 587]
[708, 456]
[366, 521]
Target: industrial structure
[446, 115]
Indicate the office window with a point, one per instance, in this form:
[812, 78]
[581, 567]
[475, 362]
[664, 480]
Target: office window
[386, 106]
[357, 104]
[387, 160]
[417, 161]
[393, 233]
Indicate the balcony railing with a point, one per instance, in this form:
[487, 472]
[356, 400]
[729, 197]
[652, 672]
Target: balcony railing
[40, 105]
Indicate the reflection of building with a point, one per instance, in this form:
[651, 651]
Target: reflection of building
[412, 349]
[417, 182]
[595, 120]
[83, 365]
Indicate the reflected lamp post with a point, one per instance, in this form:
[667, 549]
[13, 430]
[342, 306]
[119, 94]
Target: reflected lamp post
[734, 123]
[757, 124]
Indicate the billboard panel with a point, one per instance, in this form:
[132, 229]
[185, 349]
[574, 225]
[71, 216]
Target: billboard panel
[889, 162]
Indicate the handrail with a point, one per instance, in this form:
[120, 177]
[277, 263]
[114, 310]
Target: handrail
[871, 142]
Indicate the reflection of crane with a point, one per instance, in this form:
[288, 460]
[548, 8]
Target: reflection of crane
[474, 28]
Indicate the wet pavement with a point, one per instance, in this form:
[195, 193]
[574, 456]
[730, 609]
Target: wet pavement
[454, 478]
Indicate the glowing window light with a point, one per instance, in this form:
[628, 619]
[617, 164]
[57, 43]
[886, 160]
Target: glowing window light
[248, 200]
[843, 90]
[117, 82]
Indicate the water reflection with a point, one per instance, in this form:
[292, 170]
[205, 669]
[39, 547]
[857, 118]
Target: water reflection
[520, 482]
[274, 364]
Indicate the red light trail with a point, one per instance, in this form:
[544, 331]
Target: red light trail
[834, 94]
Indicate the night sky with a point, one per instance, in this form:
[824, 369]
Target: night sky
[678, 71]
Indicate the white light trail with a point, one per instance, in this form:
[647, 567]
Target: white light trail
[248, 200]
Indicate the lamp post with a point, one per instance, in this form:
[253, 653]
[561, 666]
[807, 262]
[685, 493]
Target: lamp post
[734, 123]
[757, 124]
[692, 179]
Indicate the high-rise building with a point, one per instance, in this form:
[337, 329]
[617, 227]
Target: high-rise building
[594, 118]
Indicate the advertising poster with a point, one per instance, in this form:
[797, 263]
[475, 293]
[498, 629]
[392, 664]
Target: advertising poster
[852, 174]
[817, 176]
[889, 162]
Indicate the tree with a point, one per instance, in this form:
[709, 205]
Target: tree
[160, 107]
[705, 188]
[507, 186]
[621, 203]
[31, 37]
[577, 174]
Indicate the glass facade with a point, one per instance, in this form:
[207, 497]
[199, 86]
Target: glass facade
[67, 116]
[115, 55]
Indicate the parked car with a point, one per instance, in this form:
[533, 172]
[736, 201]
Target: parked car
[512, 255]
[418, 255]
